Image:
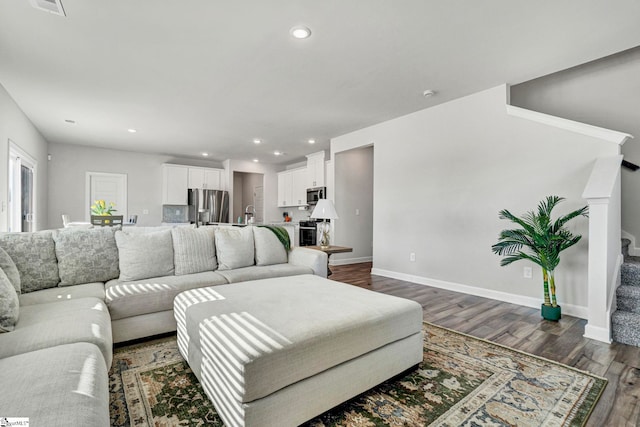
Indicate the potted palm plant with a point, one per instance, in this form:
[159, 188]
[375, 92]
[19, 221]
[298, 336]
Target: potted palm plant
[539, 240]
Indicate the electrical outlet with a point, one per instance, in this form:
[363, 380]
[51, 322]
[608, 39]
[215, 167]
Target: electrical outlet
[145, 212]
[412, 257]
[527, 273]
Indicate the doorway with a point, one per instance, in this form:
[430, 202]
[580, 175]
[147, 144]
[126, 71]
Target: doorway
[22, 190]
[110, 187]
[248, 193]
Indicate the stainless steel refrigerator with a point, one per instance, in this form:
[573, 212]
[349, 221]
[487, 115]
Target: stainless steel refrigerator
[207, 206]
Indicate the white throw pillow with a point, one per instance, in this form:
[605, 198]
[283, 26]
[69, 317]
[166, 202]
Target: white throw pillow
[146, 255]
[234, 247]
[193, 250]
[269, 249]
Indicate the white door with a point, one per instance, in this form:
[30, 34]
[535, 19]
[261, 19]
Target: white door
[22, 174]
[110, 187]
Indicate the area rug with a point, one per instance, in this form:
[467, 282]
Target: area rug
[462, 381]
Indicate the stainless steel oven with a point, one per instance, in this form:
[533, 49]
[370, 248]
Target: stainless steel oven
[308, 233]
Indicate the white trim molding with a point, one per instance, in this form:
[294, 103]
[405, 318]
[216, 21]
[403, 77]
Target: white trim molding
[570, 125]
[347, 261]
[569, 309]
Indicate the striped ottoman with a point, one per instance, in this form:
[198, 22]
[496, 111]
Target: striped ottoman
[278, 352]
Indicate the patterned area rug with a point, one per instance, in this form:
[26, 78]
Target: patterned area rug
[462, 381]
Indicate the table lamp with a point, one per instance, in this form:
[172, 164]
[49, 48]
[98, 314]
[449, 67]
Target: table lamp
[324, 210]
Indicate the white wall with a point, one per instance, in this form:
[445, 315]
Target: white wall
[67, 174]
[15, 126]
[603, 93]
[354, 191]
[442, 174]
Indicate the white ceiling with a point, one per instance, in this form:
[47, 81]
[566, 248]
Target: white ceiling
[212, 75]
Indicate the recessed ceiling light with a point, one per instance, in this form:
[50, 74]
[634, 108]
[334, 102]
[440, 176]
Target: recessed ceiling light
[300, 32]
[312, 141]
[205, 154]
[255, 160]
[73, 122]
[132, 130]
[427, 93]
[257, 141]
[277, 153]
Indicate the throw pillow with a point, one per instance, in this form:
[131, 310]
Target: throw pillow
[269, 250]
[34, 254]
[145, 255]
[10, 269]
[234, 247]
[193, 250]
[86, 255]
[8, 304]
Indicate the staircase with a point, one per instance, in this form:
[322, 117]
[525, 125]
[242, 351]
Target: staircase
[625, 321]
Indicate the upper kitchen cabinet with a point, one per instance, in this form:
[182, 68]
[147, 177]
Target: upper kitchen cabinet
[206, 178]
[292, 189]
[315, 170]
[175, 182]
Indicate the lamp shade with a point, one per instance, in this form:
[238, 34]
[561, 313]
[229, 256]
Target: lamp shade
[324, 210]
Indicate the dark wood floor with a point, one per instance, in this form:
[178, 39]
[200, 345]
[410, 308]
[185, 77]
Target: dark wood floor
[522, 328]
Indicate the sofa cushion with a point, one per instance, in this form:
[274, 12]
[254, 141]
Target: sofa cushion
[86, 255]
[234, 247]
[95, 290]
[269, 250]
[8, 304]
[35, 257]
[56, 323]
[127, 299]
[57, 386]
[193, 250]
[256, 272]
[145, 255]
[9, 267]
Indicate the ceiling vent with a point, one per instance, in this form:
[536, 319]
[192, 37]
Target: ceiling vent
[51, 6]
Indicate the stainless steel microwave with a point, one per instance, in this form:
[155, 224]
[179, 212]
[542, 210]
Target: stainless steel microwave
[315, 194]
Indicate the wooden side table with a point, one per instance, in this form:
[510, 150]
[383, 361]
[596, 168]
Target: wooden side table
[330, 250]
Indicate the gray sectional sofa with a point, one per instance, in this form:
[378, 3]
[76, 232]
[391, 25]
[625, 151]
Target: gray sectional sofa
[67, 295]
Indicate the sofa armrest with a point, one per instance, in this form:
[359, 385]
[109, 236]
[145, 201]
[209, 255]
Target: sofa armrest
[312, 258]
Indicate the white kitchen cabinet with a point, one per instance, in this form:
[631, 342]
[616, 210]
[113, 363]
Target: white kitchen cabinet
[206, 178]
[292, 188]
[315, 170]
[299, 184]
[175, 182]
[285, 189]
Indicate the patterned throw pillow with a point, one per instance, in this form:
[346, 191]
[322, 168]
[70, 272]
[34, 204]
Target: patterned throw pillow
[10, 269]
[35, 257]
[146, 255]
[193, 250]
[269, 250]
[8, 304]
[86, 255]
[234, 247]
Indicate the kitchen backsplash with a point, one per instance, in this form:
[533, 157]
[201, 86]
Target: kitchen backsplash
[295, 214]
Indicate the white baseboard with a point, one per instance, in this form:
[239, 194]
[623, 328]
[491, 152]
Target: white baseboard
[596, 333]
[633, 249]
[347, 261]
[569, 309]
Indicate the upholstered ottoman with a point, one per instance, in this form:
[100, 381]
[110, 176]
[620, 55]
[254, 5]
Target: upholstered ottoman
[277, 352]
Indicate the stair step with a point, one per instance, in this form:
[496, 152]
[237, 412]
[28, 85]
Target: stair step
[630, 274]
[625, 247]
[628, 298]
[625, 327]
